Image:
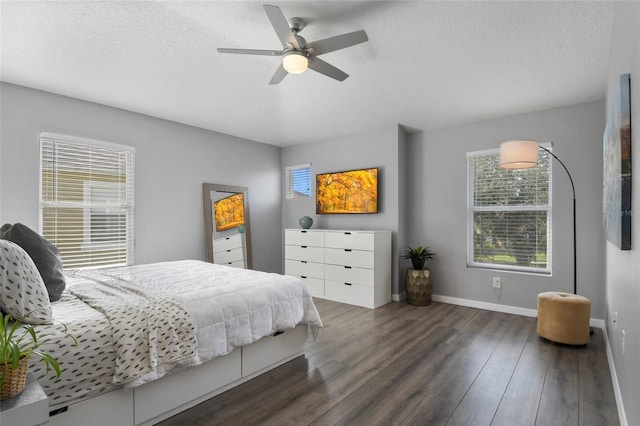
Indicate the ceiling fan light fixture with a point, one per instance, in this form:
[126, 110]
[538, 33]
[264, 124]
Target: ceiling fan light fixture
[295, 62]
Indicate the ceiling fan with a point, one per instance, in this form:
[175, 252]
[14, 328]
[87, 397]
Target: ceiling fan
[297, 54]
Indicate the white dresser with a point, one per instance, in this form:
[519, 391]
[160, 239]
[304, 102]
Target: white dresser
[346, 266]
[229, 250]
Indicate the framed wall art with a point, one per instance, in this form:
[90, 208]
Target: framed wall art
[617, 168]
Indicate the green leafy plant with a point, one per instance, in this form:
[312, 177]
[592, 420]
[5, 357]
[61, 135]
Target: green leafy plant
[19, 340]
[418, 255]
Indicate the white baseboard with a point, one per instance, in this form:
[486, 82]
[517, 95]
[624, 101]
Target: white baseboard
[614, 379]
[399, 297]
[496, 307]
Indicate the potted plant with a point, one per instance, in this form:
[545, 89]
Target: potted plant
[418, 256]
[18, 342]
[418, 284]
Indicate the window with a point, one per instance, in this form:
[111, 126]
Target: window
[298, 181]
[86, 200]
[508, 214]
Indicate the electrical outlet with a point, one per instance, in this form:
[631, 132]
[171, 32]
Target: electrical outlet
[496, 282]
[622, 341]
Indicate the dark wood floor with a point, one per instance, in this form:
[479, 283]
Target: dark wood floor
[433, 365]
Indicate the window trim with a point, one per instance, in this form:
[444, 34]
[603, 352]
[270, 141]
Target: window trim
[548, 271]
[129, 207]
[288, 183]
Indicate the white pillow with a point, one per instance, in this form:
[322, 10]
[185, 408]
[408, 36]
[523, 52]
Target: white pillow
[23, 294]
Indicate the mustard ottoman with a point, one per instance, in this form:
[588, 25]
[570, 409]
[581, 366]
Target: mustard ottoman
[564, 317]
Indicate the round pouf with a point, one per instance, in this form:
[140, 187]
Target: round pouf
[564, 317]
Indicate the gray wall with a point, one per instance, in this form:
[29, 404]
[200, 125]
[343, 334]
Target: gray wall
[439, 199]
[623, 267]
[172, 162]
[380, 148]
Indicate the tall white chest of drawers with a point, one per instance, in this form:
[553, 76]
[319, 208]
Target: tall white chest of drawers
[345, 266]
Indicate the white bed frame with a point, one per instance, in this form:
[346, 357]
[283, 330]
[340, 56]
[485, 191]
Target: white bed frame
[158, 400]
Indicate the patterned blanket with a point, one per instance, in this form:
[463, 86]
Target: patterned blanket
[150, 329]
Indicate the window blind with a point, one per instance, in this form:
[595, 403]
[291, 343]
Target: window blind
[298, 181]
[508, 214]
[87, 200]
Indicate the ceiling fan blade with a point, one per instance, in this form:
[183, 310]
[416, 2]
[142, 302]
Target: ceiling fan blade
[278, 75]
[251, 51]
[327, 69]
[338, 42]
[281, 26]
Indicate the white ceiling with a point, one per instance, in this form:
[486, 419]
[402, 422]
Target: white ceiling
[426, 65]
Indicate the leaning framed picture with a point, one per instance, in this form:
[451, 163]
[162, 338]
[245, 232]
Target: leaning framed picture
[616, 201]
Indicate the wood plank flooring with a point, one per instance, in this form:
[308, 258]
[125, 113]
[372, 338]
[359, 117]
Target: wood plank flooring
[430, 365]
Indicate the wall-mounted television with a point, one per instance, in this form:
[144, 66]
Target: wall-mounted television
[229, 212]
[352, 191]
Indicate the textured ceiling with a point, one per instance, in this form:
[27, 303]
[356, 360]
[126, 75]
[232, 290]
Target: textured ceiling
[426, 65]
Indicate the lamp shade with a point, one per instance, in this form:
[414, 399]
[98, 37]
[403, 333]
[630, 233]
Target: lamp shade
[519, 154]
[295, 62]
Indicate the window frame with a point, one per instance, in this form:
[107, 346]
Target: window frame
[471, 209]
[83, 253]
[290, 192]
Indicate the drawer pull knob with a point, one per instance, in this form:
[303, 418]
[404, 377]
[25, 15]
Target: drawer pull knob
[347, 249]
[304, 232]
[228, 251]
[347, 283]
[227, 238]
[347, 267]
[303, 276]
[304, 246]
[347, 233]
[303, 261]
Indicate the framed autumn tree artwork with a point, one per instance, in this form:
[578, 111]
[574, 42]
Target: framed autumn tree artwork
[353, 191]
[616, 201]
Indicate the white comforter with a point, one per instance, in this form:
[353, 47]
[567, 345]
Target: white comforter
[230, 307]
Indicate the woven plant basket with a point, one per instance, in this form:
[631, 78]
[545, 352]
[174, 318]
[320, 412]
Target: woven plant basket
[14, 380]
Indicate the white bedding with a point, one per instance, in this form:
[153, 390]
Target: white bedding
[229, 307]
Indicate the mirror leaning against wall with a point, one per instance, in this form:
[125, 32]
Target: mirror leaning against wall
[226, 225]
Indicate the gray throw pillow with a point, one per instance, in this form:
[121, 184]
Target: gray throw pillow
[44, 254]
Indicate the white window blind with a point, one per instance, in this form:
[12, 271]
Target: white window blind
[87, 200]
[298, 181]
[508, 214]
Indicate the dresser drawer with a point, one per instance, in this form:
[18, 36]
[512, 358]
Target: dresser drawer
[228, 256]
[303, 268]
[353, 294]
[303, 237]
[348, 257]
[314, 285]
[350, 240]
[349, 274]
[227, 243]
[313, 254]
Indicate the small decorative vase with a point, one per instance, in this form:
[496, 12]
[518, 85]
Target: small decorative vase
[417, 263]
[241, 229]
[305, 222]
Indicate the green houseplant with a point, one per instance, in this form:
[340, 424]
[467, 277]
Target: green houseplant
[18, 342]
[418, 256]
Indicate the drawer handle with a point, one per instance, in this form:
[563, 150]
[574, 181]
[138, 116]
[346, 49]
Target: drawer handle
[304, 232]
[347, 233]
[303, 276]
[227, 238]
[303, 261]
[303, 246]
[347, 267]
[228, 251]
[347, 249]
[347, 284]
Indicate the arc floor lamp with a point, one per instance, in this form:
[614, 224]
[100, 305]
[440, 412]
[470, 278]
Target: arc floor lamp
[523, 154]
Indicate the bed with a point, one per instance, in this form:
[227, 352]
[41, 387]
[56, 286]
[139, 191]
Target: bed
[156, 339]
